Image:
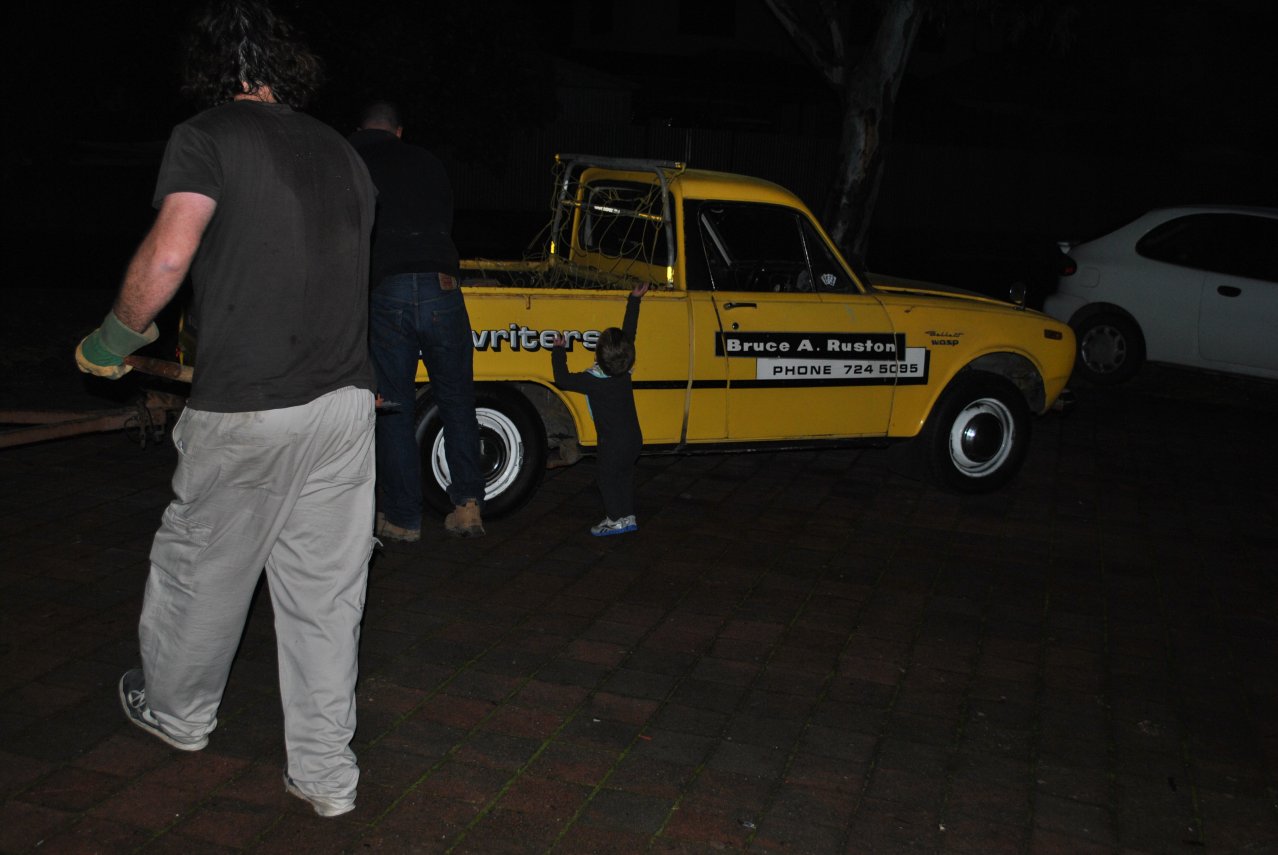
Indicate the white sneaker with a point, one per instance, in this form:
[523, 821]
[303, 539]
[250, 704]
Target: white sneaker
[324, 805]
[133, 701]
[610, 526]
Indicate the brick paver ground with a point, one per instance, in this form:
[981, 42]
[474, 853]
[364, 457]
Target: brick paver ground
[798, 652]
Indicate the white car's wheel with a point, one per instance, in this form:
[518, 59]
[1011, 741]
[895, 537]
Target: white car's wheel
[1110, 348]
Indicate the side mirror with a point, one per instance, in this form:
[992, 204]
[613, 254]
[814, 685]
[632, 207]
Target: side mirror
[1017, 294]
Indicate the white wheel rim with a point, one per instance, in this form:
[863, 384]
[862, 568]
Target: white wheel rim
[982, 437]
[494, 427]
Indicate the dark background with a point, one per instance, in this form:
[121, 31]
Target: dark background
[1004, 140]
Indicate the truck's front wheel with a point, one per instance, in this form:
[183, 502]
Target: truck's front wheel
[977, 435]
[512, 452]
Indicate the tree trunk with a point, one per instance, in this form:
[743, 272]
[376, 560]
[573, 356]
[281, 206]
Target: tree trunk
[869, 93]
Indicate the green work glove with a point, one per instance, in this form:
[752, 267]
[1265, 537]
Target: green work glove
[102, 351]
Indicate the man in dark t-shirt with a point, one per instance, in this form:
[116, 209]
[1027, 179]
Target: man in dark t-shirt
[274, 306]
[270, 211]
[418, 312]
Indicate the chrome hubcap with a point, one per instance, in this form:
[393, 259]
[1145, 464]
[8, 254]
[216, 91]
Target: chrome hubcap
[1104, 349]
[981, 437]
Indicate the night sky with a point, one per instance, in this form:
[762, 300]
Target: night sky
[1184, 89]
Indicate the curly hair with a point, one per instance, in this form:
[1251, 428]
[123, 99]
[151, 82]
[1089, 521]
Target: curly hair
[243, 41]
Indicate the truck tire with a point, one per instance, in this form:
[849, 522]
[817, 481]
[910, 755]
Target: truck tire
[512, 451]
[977, 435]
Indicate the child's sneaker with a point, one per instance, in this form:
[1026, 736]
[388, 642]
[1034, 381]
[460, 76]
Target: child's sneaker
[611, 526]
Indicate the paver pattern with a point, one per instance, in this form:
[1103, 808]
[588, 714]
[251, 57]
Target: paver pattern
[800, 652]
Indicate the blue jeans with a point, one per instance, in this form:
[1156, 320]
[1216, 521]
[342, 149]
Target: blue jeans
[411, 315]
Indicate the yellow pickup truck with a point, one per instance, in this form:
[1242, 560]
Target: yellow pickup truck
[755, 334]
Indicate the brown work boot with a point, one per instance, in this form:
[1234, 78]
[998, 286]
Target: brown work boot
[465, 521]
[569, 453]
[390, 531]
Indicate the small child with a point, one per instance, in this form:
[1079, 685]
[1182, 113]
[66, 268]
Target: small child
[606, 385]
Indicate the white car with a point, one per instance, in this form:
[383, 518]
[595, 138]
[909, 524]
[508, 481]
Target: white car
[1195, 286]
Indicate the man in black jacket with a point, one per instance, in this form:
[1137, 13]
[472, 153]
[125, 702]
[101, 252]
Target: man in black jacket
[418, 311]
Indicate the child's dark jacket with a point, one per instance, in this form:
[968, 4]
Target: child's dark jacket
[612, 400]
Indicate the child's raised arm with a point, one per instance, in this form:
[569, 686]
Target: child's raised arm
[631, 323]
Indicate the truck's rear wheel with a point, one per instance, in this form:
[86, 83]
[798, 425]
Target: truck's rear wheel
[977, 435]
[512, 452]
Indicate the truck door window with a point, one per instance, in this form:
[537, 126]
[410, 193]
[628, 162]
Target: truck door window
[696, 259]
[827, 274]
[754, 248]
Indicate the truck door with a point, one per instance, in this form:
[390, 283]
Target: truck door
[808, 354]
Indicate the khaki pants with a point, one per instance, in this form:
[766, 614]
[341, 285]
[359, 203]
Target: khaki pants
[292, 490]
